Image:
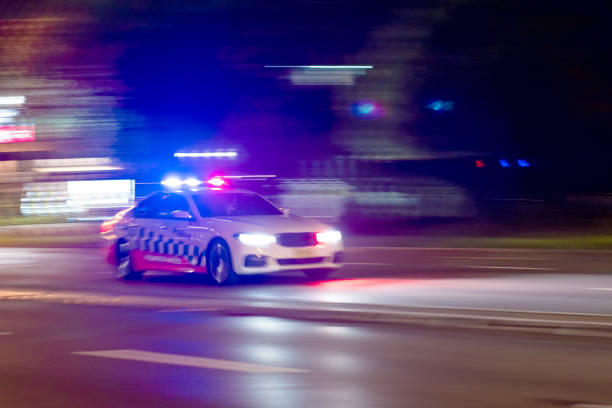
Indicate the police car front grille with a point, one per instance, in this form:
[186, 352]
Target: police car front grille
[297, 239]
[299, 261]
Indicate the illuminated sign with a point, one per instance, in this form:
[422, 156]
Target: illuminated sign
[15, 134]
[12, 100]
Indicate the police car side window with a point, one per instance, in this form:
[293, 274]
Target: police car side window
[171, 203]
[162, 206]
[148, 208]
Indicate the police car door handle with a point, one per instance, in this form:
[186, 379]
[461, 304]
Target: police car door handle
[182, 232]
[126, 227]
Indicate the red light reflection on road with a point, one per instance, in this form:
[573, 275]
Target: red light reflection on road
[339, 284]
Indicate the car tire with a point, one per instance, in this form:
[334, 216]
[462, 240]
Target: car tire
[317, 274]
[124, 269]
[219, 263]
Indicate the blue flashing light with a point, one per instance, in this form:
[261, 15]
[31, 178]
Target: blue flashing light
[174, 182]
[523, 163]
[504, 163]
[440, 105]
[367, 109]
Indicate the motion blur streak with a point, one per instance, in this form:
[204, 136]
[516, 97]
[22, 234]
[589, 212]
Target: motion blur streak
[207, 154]
[12, 100]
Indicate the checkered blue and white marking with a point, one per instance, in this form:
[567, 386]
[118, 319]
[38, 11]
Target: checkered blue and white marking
[154, 242]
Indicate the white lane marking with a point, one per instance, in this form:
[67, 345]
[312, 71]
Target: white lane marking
[600, 288]
[493, 258]
[367, 264]
[5, 333]
[590, 406]
[527, 268]
[189, 361]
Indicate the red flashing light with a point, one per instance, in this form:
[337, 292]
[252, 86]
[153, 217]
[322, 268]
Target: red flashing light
[216, 181]
[480, 164]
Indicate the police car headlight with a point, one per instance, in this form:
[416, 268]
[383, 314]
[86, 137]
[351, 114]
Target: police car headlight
[328, 237]
[256, 239]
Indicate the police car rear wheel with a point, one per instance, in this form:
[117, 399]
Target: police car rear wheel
[219, 264]
[125, 268]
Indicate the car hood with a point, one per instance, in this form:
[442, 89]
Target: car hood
[270, 223]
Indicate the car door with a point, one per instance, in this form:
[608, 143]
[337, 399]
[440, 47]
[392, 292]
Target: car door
[161, 219]
[177, 222]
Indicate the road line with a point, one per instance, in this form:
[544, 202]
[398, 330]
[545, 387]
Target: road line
[479, 309]
[5, 333]
[492, 258]
[367, 264]
[600, 288]
[189, 361]
[590, 406]
[526, 268]
[210, 309]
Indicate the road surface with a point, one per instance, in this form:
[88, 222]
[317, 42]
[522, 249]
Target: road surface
[547, 281]
[72, 336]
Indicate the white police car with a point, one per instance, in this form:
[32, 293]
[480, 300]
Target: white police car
[225, 233]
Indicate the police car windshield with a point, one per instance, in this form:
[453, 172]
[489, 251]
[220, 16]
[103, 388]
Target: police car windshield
[230, 204]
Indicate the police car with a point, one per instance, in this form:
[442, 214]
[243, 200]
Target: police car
[222, 232]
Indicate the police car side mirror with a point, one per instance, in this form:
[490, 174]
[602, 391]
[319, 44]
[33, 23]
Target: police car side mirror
[181, 215]
[285, 211]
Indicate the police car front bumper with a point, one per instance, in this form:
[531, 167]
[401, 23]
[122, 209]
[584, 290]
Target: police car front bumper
[275, 258]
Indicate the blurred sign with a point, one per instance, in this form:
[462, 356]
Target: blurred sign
[76, 197]
[15, 134]
[323, 74]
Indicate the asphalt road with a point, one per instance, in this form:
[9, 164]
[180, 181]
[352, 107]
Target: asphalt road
[84, 356]
[58, 350]
[548, 281]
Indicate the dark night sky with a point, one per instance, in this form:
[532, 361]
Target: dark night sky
[536, 75]
[525, 77]
[529, 78]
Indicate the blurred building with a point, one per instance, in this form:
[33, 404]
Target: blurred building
[59, 97]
